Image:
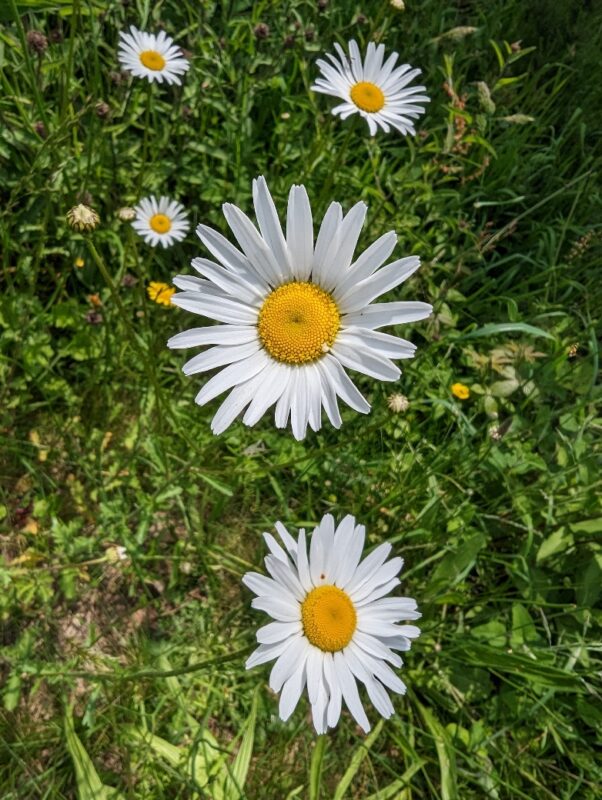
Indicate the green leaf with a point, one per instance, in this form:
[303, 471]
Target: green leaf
[445, 753]
[236, 779]
[89, 785]
[523, 628]
[454, 566]
[315, 769]
[556, 542]
[500, 661]
[493, 329]
[392, 791]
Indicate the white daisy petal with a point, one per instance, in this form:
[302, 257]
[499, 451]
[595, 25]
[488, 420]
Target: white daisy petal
[291, 692]
[300, 232]
[350, 692]
[293, 316]
[288, 662]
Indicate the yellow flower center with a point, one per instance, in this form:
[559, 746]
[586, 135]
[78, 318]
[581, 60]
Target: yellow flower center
[152, 60]
[329, 618]
[367, 96]
[298, 322]
[160, 223]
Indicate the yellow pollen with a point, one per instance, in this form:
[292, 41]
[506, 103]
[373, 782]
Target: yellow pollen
[152, 60]
[298, 322]
[367, 96]
[160, 223]
[329, 618]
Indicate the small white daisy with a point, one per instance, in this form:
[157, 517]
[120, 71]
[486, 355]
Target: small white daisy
[334, 626]
[379, 92]
[160, 222]
[155, 58]
[293, 314]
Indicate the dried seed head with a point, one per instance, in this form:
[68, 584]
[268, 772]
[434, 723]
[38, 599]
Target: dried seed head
[102, 109]
[36, 42]
[261, 31]
[40, 129]
[82, 218]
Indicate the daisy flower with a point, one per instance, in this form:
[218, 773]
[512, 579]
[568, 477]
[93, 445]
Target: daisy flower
[379, 92]
[160, 222]
[333, 624]
[155, 58]
[293, 313]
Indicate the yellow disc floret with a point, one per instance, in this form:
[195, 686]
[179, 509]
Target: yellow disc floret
[329, 618]
[298, 322]
[367, 96]
[160, 223]
[152, 60]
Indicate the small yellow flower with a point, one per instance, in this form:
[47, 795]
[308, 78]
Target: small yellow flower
[160, 293]
[79, 263]
[460, 391]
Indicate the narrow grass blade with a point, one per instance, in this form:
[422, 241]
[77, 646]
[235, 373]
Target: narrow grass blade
[391, 792]
[240, 768]
[358, 756]
[445, 753]
[315, 769]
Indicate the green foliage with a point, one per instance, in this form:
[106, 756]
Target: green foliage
[125, 526]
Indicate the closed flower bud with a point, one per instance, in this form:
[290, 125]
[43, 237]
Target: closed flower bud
[82, 218]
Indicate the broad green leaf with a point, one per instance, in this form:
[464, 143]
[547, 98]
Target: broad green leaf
[89, 785]
[556, 542]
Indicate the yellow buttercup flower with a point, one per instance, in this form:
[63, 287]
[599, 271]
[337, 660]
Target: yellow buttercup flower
[460, 391]
[160, 292]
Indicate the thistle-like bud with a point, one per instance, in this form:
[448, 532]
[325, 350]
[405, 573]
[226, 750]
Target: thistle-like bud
[82, 218]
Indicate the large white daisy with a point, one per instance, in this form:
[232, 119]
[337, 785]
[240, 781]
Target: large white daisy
[293, 314]
[333, 624]
[155, 58]
[161, 221]
[379, 92]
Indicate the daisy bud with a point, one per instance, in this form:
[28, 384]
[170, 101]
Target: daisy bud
[398, 5]
[398, 403]
[126, 214]
[82, 218]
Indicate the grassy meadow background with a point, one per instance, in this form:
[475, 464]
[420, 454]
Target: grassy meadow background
[122, 675]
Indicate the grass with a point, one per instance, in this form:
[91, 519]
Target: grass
[124, 678]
